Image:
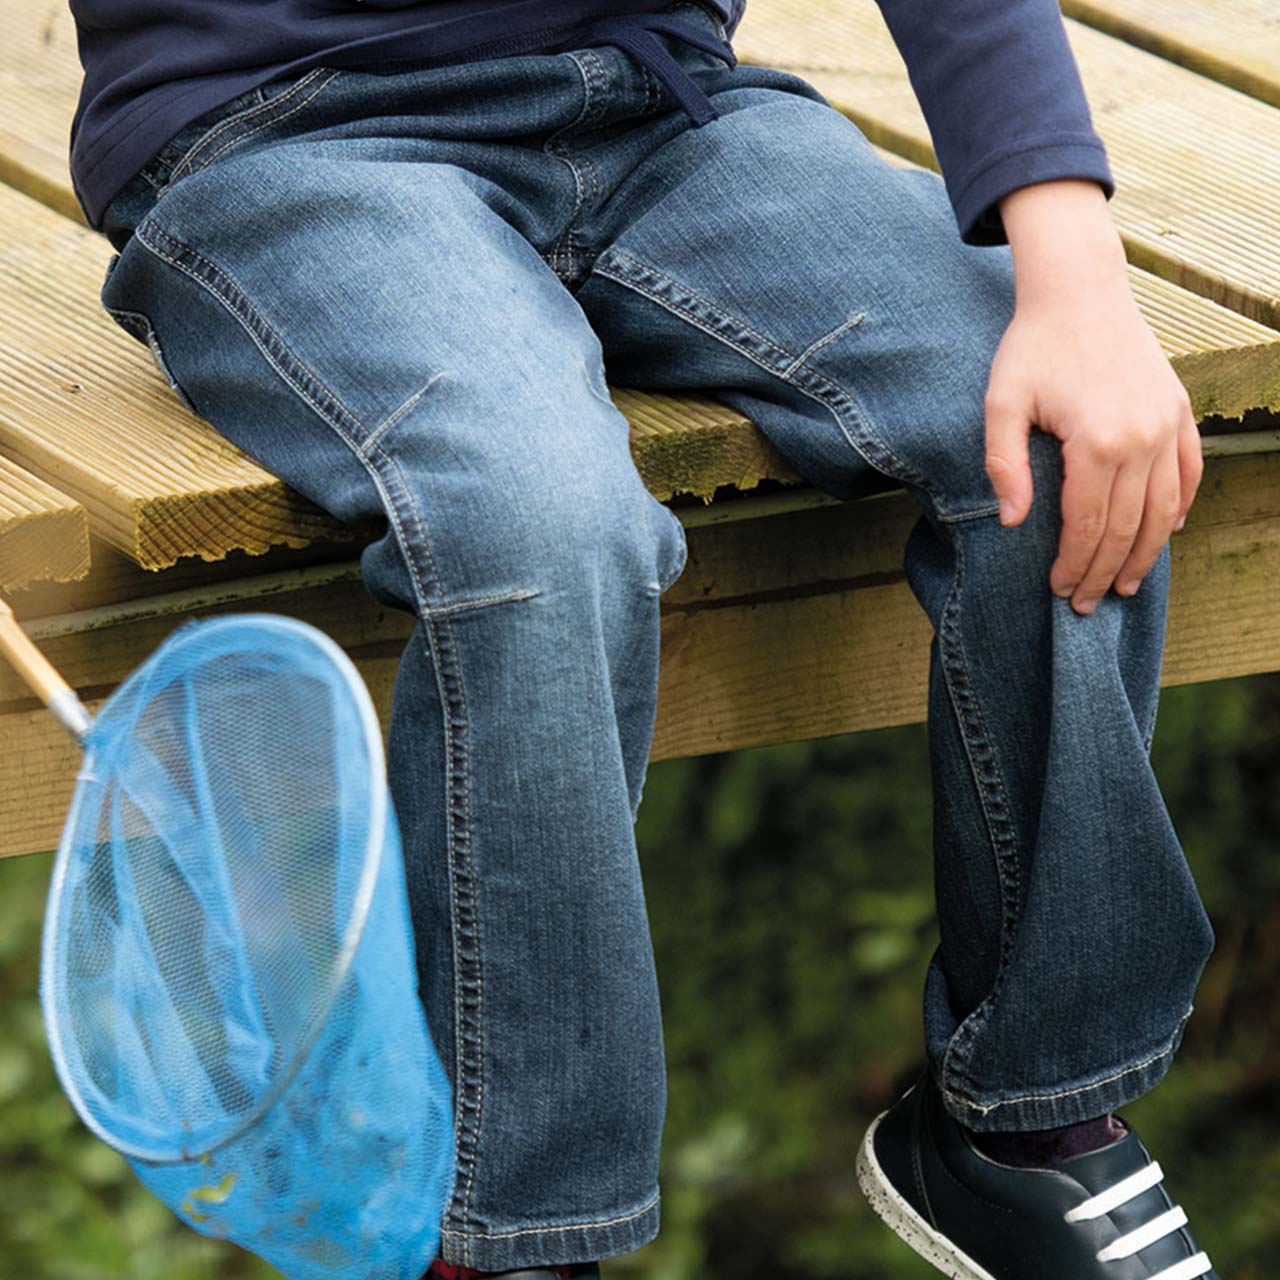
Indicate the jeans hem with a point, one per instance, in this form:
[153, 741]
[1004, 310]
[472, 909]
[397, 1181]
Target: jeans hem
[552, 1245]
[1051, 1108]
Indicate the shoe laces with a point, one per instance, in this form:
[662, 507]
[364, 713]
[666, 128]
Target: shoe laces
[1142, 1237]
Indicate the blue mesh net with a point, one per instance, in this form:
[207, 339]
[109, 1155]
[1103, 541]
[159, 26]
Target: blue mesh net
[228, 975]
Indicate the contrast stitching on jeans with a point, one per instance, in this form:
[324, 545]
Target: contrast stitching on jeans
[584, 169]
[643, 271]
[732, 331]
[559, 264]
[851, 323]
[980, 513]
[468, 969]
[186, 162]
[556, 1230]
[399, 413]
[1072, 1093]
[210, 276]
[335, 414]
[600, 81]
[478, 602]
[993, 797]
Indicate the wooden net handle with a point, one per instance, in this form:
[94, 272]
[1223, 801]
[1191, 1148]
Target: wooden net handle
[39, 674]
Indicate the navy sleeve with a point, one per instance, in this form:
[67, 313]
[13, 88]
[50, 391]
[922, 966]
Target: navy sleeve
[1001, 92]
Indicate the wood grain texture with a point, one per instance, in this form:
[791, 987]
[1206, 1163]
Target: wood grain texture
[1228, 363]
[1234, 41]
[797, 626]
[44, 535]
[84, 405]
[1197, 164]
[39, 85]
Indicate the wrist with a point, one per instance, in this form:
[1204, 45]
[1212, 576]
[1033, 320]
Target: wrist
[1063, 241]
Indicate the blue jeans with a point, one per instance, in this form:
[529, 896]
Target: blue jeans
[399, 292]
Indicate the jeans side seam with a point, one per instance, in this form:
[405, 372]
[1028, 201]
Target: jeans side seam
[279, 354]
[992, 795]
[185, 167]
[348, 427]
[467, 949]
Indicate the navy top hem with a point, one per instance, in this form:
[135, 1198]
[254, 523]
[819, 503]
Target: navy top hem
[996, 80]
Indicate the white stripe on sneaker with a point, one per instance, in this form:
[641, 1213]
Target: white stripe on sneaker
[1192, 1269]
[1135, 1241]
[1104, 1202]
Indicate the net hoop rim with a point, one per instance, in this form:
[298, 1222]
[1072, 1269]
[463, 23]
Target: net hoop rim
[375, 849]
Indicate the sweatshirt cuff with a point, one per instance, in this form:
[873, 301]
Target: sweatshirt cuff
[976, 201]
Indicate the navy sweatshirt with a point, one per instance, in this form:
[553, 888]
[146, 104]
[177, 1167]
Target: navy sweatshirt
[996, 78]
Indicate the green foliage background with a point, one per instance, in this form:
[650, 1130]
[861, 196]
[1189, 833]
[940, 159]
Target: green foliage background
[790, 895]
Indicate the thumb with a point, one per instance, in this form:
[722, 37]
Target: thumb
[1008, 464]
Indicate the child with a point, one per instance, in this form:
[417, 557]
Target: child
[387, 248]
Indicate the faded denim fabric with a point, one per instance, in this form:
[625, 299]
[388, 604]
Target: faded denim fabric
[399, 293]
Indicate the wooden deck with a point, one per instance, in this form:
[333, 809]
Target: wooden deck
[121, 513]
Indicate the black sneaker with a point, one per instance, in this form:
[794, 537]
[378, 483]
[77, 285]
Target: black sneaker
[1100, 1216]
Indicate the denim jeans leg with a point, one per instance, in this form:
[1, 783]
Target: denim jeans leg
[388, 338]
[780, 264]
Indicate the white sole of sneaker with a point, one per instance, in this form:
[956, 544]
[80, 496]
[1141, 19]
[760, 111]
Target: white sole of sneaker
[905, 1222]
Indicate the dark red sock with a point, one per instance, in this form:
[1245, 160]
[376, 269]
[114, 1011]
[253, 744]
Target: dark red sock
[1045, 1148]
[447, 1271]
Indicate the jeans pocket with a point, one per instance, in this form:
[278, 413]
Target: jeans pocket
[212, 134]
[156, 171]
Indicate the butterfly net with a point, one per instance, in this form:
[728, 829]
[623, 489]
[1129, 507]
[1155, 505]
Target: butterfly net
[228, 976]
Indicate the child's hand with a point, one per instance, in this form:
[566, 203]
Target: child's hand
[1080, 362]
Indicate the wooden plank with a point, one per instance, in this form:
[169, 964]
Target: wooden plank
[39, 85]
[790, 627]
[83, 405]
[1197, 164]
[1234, 41]
[44, 535]
[1229, 364]
[1199, 194]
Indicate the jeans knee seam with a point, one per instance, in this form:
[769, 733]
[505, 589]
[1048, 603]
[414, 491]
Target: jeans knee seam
[814, 347]
[636, 283]
[865, 440]
[631, 273]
